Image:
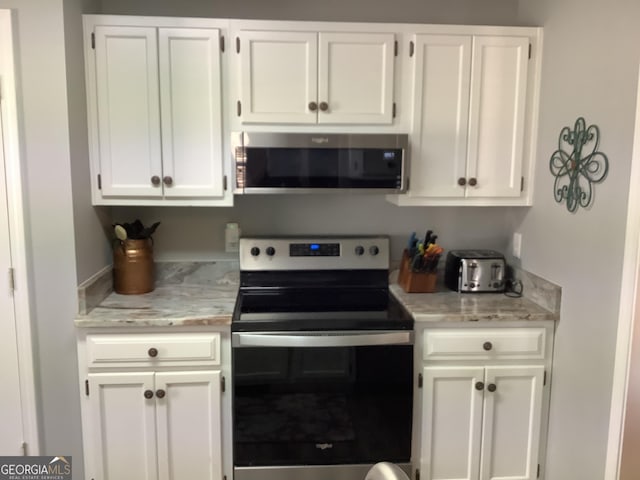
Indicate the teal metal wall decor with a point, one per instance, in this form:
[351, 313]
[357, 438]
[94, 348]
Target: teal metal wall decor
[575, 171]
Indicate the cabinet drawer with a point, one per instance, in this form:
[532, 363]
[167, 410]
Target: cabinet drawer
[153, 350]
[485, 343]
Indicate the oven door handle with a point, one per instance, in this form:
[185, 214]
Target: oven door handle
[321, 339]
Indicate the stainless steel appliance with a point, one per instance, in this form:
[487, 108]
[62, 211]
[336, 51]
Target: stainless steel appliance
[315, 162]
[475, 271]
[322, 361]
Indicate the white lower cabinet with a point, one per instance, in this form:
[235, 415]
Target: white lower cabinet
[484, 419]
[154, 422]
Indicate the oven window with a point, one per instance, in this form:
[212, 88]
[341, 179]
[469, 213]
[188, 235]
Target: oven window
[323, 168]
[322, 406]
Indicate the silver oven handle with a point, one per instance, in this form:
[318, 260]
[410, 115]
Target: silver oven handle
[321, 339]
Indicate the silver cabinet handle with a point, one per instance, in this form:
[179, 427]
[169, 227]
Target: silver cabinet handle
[320, 339]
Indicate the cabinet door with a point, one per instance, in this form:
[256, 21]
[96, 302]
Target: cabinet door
[355, 78]
[279, 72]
[511, 423]
[128, 110]
[451, 422]
[189, 431]
[190, 95]
[441, 83]
[497, 115]
[123, 426]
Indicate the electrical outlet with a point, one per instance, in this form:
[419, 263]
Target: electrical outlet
[517, 245]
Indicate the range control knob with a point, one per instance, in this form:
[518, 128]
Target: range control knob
[270, 251]
[374, 250]
[255, 251]
[359, 250]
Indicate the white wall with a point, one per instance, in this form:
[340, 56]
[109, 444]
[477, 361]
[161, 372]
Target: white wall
[47, 189]
[198, 233]
[590, 64]
[92, 243]
[495, 12]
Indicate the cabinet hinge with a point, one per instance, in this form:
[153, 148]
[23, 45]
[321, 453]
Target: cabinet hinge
[237, 44]
[529, 51]
[223, 384]
[86, 387]
[417, 474]
[522, 184]
[411, 48]
[25, 452]
[99, 182]
[395, 48]
[419, 380]
[93, 40]
[12, 280]
[538, 472]
[544, 378]
[224, 183]
[222, 43]
[239, 108]
[393, 110]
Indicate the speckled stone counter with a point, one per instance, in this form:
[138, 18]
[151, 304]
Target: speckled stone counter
[448, 306]
[541, 301]
[185, 294]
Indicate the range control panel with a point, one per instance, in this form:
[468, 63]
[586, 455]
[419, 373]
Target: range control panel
[262, 254]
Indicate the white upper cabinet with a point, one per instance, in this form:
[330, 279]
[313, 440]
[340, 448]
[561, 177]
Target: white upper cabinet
[126, 62]
[497, 116]
[155, 113]
[473, 107]
[293, 77]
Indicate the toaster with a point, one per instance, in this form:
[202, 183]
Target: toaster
[475, 271]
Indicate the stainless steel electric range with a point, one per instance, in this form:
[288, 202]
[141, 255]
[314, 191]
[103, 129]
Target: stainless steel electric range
[322, 360]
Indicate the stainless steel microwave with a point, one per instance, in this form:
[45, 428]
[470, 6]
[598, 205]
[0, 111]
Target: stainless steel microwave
[319, 163]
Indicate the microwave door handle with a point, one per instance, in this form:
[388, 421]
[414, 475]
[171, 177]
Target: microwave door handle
[321, 339]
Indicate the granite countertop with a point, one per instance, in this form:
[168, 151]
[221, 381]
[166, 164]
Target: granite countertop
[185, 294]
[204, 293]
[449, 306]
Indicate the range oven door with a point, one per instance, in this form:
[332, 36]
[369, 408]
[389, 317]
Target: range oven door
[321, 402]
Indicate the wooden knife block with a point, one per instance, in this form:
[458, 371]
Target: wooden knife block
[415, 282]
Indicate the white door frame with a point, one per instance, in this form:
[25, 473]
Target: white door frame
[9, 107]
[626, 314]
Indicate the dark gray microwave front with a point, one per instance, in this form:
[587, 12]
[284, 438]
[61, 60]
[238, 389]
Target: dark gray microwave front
[319, 163]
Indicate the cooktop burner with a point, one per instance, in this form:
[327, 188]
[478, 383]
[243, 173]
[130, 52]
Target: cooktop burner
[294, 284]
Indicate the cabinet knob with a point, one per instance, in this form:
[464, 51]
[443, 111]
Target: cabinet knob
[153, 352]
[148, 394]
[473, 181]
[487, 346]
[492, 387]
[160, 393]
[479, 386]
[462, 181]
[313, 106]
[155, 180]
[168, 181]
[324, 106]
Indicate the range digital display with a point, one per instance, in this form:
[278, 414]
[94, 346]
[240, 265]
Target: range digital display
[314, 250]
